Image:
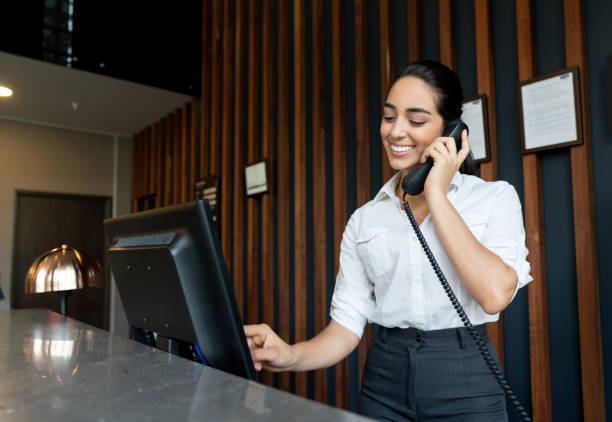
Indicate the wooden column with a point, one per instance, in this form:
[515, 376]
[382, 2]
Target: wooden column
[448, 51]
[591, 355]
[176, 156]
[486, 85]
[216, 81]
[284, 193]
[299, 178]
[207, 35]
[194, 132]
[135, 170]
[387, 72]
[253, 139]
[267, 200]
[362, 127]
[239, 156]
[185, 152]
[339, 157]
[226, 131]
[539, 350]
[318, 185]
[415, 30]
[168, 149]
[151, 179]
[159, 162]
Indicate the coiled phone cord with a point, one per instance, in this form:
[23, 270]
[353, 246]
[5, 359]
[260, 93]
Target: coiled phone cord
[466, 321]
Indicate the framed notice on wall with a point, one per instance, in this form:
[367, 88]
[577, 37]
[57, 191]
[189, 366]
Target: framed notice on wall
[256, 178]
[549, 108]
[208, 188]
[476, 118]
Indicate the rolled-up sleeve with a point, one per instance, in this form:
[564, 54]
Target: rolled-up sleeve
[505, 234]
[353, 298]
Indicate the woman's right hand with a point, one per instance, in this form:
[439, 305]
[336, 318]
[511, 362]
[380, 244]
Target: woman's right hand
[268, 350]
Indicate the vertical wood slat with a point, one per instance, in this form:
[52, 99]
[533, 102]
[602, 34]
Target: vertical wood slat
[339, 159]
[253, 138]
[448, 52]
[206, 98]
[216, 83]
[267, 201]
[158, 162]
[284, 194]
[386, 72]
[239, 134]
[591, 354]
[168, 151]
[486, 85]
[539, 349]
[176, 156]
[135, 171]
[318, 186]
[226, 122]
[194, 130]
[144, 171]
[415, 30]
[161, 171]
[362, 127]
[185, 151]
[152, 159]
[299, 188]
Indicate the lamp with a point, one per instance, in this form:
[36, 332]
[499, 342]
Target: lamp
[62, 270]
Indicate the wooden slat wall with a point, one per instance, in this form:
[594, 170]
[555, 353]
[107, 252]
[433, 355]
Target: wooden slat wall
[486, 85]
[239, 156]
[534, 230]
[284, 189]
[267, 141]
[235, 124]
[339, 157]
[318, 185]
[299, 180]
[387, 73]
[226, 128]
[591, 355]
[362, 139]
[253, 139]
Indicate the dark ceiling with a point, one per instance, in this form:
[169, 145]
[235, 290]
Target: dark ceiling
[154, 43]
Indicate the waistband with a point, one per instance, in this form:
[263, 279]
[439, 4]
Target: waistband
[448, 336]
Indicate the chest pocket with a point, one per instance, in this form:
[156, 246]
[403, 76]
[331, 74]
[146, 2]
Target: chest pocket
[477, 224]
[377, 253]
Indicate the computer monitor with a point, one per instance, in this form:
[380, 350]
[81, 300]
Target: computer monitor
[173, 281]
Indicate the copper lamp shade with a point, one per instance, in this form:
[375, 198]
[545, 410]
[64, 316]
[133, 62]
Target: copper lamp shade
[63, 269]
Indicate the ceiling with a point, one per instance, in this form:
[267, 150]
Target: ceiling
[108, 66]
[59, 96]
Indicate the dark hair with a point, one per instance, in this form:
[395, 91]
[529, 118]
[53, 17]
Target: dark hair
[449, 96]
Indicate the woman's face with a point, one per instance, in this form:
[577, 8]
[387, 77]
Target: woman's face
[410, 122]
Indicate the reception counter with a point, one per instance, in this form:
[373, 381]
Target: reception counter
[56, 370]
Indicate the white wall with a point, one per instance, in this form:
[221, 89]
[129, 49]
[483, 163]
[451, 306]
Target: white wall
[51, 159]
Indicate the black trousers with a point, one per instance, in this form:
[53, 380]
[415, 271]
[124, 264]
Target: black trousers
[413, 375]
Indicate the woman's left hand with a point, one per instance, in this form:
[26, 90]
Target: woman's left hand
[447, 161]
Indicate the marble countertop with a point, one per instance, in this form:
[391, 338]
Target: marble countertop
[56, 370]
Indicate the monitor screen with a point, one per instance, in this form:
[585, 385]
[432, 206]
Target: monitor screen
[172, 280]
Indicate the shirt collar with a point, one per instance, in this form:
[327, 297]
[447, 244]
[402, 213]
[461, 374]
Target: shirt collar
[388, 189]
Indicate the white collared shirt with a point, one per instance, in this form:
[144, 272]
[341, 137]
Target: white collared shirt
[385, 277]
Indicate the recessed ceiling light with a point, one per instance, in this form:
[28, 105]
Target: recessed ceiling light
[5, 92]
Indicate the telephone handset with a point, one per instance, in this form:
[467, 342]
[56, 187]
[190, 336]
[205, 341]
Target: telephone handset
[413, 184]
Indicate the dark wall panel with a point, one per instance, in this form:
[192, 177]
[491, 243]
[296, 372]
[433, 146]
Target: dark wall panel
[598, 16]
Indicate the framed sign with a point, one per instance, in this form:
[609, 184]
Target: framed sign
[476, 118]
[256, 178]
[549, 108]
[208, 188]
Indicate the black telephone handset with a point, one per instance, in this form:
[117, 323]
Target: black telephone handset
[413, 182]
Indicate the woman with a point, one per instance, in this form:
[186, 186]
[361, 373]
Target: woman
[422, 364]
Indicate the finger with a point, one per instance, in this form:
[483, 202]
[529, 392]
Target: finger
[451, 145]
[253, 330]
[257, 366]
[442, 148]
[465, 145]
[264, 355]
[435, 154]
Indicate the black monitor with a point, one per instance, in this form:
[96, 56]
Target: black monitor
[173, 282]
